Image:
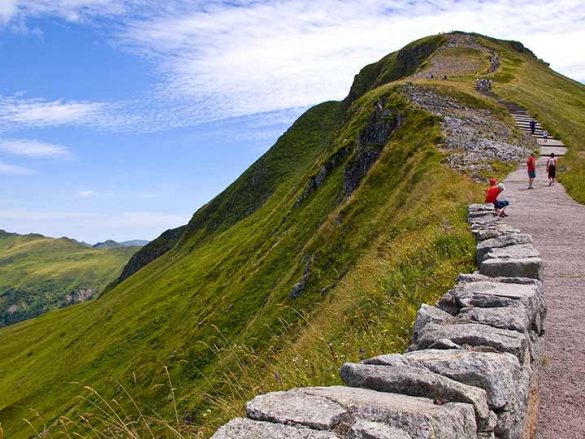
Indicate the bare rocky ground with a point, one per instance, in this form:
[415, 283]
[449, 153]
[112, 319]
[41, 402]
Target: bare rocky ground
[446, 61]
[473, 137]
[557, 225]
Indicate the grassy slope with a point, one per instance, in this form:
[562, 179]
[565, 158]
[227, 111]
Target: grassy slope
[556, 101]
[36, 272]
[216, 308]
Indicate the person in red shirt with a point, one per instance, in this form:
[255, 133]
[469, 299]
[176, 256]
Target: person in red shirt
[531, 164]
[491, 196]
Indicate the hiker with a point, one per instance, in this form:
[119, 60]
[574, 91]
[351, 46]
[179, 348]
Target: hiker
[531, 165]
[551, 169]
[492, 194]
[532, 126]
[545, 135]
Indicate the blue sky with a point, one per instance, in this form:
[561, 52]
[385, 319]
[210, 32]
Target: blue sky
[119, 118]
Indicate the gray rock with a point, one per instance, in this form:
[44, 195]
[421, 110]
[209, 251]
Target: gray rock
[522, 251]
[475, 335]
[396, 360]
[513, 317]
[428, 314]
[483, 247]
[374, 430]
[295, 408]
[241, 428]
[484, 207]
[419, 417]
[496, 373]
[445, 344]
[496, 231]
[496, 293]
[414, 380]
[529, 267]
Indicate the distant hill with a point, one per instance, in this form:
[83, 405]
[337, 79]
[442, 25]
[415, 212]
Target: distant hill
[114, 244]
[38, 273]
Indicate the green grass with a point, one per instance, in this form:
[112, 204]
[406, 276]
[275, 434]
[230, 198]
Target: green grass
[216, 309]
[38, 274]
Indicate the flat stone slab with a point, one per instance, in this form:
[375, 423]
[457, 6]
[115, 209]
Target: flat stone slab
[374, 430]
[485, 246]
[522, 251]
[295, 408]
[497, 373]
[527, 267]
[411, 379]
[475, 335]
[418, 417]
[514, 317]
[241, 428]
[478, 291]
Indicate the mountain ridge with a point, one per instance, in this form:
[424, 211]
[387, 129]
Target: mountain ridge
[321, 252]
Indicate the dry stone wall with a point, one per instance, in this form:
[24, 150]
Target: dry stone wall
[470, 372]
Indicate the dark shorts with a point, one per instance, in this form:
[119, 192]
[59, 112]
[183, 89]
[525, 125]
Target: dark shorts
[552, 172]
[500, 204]
[531, 173]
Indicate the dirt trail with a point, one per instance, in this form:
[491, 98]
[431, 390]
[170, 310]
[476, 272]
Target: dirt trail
[557, 224]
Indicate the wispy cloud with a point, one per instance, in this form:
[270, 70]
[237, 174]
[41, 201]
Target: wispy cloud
[8, 169]
[266, 56]
[32, 148]
[22, 112]
[86, 194]
[219, 59]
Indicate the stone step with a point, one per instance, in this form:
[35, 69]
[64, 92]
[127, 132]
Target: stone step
[558, 150]
[550, 142]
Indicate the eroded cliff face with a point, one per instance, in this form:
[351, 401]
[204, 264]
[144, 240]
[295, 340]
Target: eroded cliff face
[369, 145]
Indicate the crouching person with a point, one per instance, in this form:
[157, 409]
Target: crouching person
[492, 194]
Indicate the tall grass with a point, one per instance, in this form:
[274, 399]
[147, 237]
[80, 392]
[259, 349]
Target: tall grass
[105, 418]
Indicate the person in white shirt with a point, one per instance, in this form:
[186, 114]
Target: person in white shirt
[551, 168]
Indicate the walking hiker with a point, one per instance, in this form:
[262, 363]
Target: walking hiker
[545, 135]
[551, 168]
[531, 165]
[492, 195]
[532, 126]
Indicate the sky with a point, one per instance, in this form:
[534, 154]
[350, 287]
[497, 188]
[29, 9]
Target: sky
[119, 118]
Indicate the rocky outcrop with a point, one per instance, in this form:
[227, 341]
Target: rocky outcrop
[361, 157]
[151, 251]
[370, 142]
[469, 373]
[473, 137]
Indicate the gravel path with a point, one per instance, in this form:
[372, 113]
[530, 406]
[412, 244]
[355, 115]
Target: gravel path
[557, 224]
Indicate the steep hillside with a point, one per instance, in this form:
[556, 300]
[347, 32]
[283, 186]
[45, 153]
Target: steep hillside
[322, 251]
[38, 274]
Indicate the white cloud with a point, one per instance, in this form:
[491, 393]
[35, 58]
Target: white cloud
[39, 112]
[226, 59]
[266, 56]
[32, 148]
[8, 169]
[7, 10]
[86, 194]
